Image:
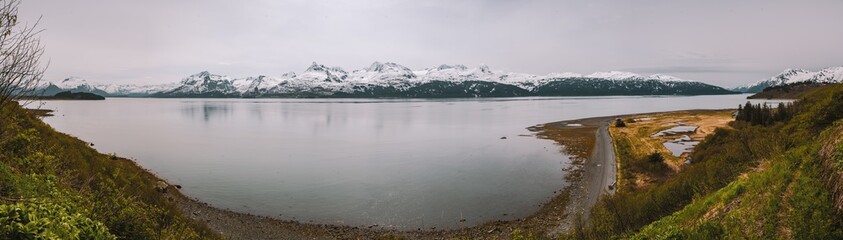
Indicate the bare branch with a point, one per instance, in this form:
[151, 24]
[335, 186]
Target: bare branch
[21, 70]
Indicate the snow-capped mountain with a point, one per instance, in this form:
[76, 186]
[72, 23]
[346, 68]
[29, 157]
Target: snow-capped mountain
[256, 86]
[206, 84]
[383, 74]
[319, 72]
[788, 76]
[77, 84]
[394, 80]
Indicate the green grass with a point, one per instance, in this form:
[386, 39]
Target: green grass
[752, 182]
[623, 153]
[59, 180]
[687, 218]
[786, 200]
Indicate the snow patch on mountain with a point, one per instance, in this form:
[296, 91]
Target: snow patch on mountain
[74, 82]
[321, 73]
[615, 75]
[319, 79]
[788, 76]
[205, 82]
[78, 84]
[383, 74]
[564, 75]
[666, 78]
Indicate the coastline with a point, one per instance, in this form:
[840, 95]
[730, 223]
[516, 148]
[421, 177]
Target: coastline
[594, 166]
[593, 169]
[553, 217]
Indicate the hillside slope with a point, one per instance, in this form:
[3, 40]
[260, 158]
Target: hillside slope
[787, 91]
[775, 175]
[784, 198]
[56, 186]
[792, 195]
[791, 76]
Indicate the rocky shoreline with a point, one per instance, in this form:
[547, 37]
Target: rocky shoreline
[553, 217]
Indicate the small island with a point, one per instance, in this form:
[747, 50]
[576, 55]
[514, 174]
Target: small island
[68, 95]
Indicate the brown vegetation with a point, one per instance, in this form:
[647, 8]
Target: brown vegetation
[634, 143]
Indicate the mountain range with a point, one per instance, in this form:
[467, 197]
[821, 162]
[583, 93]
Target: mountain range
[391, 80]
[790, 76]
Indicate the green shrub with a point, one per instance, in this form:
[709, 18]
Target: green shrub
[655, 157]
[619, 123]
[75, 183]
[47, 221]
[520, 234]
[21, 142]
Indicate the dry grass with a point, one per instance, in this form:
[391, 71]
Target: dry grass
[639, 134]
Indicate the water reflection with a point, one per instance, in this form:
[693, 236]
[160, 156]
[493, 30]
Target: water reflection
[403, 163]
[207, 110]
[256, 111]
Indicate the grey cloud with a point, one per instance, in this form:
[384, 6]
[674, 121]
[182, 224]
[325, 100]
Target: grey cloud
[720, 42]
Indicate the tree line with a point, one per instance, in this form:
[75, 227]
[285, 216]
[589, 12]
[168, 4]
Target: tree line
[763, 114]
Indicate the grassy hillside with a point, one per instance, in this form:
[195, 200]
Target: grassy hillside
[783, 198]
[778, 179]
[56, 186]
[787, 91]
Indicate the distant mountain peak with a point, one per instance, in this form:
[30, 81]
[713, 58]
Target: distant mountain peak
[201, 75]
[795, 75]
[389, 79]
[387, 67]
[375, 67]
[791, 71]
[316, 67]
[663, 77]
[485, 69]
[319, 72]
[74, 82]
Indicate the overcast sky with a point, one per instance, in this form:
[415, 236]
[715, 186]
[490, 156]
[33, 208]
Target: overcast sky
[725, 43]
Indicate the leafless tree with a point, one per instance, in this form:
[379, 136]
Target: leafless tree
[20, 54]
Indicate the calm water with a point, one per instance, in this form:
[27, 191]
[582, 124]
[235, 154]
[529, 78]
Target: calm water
[397, 163]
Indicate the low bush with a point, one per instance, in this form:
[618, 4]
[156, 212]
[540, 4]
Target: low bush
[619, 123]
[47, 221]
[55, 186]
